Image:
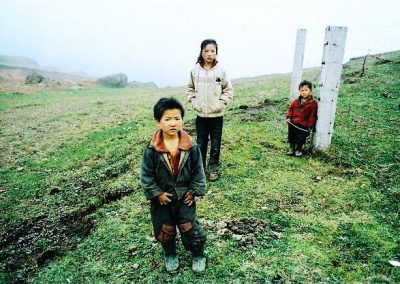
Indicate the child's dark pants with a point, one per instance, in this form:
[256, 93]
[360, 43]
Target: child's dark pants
[296, 136]
[166, 218]
[210, 127]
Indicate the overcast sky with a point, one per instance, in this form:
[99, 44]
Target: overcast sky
[159, 40]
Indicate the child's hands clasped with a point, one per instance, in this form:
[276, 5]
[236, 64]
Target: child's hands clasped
[189, 198]
[163, 198]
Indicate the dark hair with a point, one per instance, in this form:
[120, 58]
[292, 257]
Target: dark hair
[305, 83]
[203, 45]
[166, 103]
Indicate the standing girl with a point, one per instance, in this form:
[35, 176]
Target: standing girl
[209, 90]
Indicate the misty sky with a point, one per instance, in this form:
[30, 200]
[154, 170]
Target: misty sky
[159, 40]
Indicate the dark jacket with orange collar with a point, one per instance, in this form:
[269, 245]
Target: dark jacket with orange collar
[303, 113]
[156, 171]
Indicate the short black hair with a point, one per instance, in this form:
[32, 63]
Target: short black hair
[166, 103]
[305, 83]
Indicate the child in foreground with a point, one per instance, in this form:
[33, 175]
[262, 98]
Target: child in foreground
[301, 117]
[172, 175]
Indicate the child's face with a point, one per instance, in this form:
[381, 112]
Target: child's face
[209, 53]
[171, 122]
[305, 92]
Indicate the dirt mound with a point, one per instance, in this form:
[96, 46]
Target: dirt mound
[248, 232]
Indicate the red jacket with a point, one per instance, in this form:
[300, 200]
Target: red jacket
[303, 112]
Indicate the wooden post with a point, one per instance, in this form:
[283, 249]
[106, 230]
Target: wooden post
[331, 69]
[297, 72]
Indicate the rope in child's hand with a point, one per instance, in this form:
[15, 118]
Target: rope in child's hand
[288, 121]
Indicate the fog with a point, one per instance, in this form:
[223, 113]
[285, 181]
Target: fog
[159, 41]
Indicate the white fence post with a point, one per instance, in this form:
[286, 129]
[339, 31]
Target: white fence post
[297, 72]
[331, 69]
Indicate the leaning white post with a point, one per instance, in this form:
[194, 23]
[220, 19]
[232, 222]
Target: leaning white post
[331, 69]
[297, 72]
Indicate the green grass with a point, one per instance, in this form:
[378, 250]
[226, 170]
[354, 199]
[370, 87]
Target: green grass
[330, 217]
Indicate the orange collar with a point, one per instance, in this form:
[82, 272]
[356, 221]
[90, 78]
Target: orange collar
[157, 141]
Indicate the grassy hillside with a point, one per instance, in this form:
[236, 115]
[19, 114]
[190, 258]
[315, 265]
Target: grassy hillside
[73, 210]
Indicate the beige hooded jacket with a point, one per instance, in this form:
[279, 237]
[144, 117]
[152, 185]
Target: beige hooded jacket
[208, 91]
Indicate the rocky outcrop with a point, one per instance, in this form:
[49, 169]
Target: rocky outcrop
[119, 80]
[34, 78]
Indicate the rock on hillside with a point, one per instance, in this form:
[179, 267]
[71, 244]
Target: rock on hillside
[34, 78]
[119, 80]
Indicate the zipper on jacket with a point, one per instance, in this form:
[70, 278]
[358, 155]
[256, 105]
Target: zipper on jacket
[206, 93]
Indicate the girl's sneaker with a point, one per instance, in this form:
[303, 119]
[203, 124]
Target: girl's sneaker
[171, 263]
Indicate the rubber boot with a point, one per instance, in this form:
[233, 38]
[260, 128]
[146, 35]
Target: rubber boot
[171, 263]
[199, 264]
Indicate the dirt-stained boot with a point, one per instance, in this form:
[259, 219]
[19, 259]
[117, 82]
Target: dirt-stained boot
[199, 264]
[171, 263]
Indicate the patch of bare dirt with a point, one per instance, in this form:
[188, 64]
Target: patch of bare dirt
[255, 113]
[247, 232]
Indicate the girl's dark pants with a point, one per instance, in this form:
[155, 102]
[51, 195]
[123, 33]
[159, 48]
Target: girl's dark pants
[296, 136]
[166, 218]
[210, 127]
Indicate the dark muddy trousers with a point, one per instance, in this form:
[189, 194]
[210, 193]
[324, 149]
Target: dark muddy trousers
[210, 127]
[296, 136]
[166, 218]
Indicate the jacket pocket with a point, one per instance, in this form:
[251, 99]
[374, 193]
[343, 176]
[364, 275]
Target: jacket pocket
[195, 104]
[218, 106]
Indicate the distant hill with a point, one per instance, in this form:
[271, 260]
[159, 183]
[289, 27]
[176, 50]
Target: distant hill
[15, 69]
[389, 53]
[137, 84]
[313, 73]
[18, 62]
[18, 74]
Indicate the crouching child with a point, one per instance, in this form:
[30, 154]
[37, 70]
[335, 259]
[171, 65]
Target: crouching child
[172, 175]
